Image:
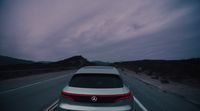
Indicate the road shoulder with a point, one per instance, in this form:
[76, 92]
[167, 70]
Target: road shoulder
[190, 94]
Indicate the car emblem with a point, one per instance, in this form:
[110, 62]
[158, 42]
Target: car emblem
[94, 98]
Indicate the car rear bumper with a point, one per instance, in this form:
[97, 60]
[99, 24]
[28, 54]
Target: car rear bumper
[69, 107]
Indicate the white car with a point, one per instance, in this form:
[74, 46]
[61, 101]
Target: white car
[96, 88]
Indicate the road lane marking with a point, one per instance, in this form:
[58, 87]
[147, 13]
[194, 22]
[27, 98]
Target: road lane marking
[29, 85]
[52, 106]
[135, 99]
[10, 90]
[140, 104]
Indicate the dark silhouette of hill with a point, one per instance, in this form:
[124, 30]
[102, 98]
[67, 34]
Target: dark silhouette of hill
[4, 60]
[73, 61]
[19, 69]
[184, 71]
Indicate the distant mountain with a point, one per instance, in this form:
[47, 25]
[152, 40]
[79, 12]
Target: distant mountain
[4, 60]
[74, 61]
[13, 68]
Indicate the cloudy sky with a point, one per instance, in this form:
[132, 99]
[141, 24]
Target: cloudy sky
[108, 30]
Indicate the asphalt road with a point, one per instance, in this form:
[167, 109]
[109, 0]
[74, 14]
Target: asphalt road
[35, 93]
[155, 99]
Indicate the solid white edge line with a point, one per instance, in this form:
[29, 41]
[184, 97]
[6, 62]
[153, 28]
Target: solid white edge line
[140, 104]
[29, 85]
[52, 106]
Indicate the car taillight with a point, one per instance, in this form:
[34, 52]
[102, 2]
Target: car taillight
[124, 96]
[65, 95]
[110, 98]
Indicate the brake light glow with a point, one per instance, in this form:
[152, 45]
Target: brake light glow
[124, 96]
[111, 97]
[65, 95]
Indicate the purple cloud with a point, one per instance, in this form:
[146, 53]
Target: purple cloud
[109, 30]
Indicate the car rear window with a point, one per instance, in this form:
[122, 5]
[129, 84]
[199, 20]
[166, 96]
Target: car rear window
[96, 81]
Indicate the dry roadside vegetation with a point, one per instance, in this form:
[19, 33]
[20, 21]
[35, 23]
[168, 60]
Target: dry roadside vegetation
[181, 71]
